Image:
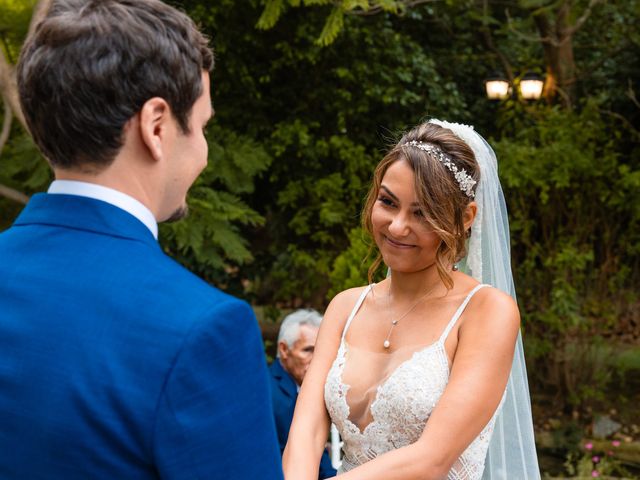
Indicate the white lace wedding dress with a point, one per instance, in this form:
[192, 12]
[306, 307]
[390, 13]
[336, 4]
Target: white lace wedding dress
[397, 407]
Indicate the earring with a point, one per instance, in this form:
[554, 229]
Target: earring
[454, 267]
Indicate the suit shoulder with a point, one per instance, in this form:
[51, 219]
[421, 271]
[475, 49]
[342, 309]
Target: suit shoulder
[188, 283]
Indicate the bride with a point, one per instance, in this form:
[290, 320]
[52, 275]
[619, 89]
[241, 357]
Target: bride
[423, 372]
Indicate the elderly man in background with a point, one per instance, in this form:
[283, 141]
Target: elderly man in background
[296, 343]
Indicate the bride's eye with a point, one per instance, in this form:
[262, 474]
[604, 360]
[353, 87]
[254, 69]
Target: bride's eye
[386, 201]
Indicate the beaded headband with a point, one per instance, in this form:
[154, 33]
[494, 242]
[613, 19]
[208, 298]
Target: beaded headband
[464, 180]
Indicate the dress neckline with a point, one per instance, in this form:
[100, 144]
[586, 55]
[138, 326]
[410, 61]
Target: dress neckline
[444, 359]
[344, 345]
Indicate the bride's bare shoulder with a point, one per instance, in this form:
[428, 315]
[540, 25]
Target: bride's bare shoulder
[341, 305]
[493, 310]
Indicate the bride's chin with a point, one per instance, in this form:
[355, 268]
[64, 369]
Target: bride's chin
[397, 266]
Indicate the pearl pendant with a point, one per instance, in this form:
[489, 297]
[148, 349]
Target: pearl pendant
[386, 344]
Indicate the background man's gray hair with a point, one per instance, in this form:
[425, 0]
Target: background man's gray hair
[290, 327]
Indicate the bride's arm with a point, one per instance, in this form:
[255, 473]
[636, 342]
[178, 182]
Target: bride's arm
[310, 426]
[479, 374]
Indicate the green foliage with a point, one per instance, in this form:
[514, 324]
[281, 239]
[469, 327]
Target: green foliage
[334, 22]
[325, 115]
[351, 266]
[14, 24]
[299, 128]
[21, 165]
[333, 27]
[575, 235]
[591, 462]
[564, 178]
[211, 235]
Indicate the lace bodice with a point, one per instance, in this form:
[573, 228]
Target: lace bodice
[402, 405]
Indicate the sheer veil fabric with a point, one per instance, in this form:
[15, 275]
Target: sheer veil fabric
[512, 451]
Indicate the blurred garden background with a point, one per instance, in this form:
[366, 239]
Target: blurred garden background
[308, 95]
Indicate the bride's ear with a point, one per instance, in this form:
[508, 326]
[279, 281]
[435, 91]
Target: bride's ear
[469, 215]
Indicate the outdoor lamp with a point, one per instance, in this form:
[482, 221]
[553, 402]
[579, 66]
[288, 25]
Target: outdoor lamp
[531, 86]
[497, 87]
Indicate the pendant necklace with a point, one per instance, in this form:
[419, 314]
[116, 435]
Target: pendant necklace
[386, 344]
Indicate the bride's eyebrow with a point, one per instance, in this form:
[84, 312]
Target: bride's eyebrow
[394, 197]
[389, 192]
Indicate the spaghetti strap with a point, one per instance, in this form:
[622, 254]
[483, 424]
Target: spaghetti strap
[461, 308]
[356, 308]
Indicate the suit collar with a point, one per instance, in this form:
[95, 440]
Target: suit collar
[83, 213]
[109, 195]
[285, 381]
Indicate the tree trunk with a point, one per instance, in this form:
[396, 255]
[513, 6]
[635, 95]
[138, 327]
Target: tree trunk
[9, 88]
[556, 36]
[9, 95]
[557, 42]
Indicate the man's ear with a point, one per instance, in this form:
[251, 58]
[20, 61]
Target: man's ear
[155, 125]
[283, 350]
[469, 215]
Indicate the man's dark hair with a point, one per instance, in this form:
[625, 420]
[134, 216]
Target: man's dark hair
[92, 64]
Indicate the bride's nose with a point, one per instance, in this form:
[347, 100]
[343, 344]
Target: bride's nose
[399, 226]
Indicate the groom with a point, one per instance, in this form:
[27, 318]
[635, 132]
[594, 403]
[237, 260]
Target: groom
[115, 362]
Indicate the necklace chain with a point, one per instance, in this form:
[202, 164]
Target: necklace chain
[386, 344]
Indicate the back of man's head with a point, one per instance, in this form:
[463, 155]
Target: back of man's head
[91, 65]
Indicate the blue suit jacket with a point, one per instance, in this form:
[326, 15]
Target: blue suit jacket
[116, 362]
[285, 393]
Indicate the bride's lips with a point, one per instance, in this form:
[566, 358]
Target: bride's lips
[396, 244]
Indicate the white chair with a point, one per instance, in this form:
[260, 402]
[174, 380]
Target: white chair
[336, 448]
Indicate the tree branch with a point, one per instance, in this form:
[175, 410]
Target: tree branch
[595, 67]
[631, 93]
[583, 18]
[376, 9]
[9, 88]
[627, 123]
[5, 191]
[10, 96]
[6, 125]
[39, 11]
[13, 194]
[488, 38]
[529, 38]
[8, 84]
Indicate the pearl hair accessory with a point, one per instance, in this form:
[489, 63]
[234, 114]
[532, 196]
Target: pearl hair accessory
[464, 180]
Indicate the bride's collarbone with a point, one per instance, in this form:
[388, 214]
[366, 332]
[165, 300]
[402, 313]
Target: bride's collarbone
[416, 332]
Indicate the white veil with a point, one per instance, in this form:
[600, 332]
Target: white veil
[512, 451]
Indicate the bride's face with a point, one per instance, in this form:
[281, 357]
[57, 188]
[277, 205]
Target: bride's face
[405, 239]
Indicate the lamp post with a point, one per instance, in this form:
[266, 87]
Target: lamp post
[531, 86]
[497, 87]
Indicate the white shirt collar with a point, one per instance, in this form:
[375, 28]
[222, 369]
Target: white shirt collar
[109, 195]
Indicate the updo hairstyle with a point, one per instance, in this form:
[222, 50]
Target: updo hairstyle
[439, 195]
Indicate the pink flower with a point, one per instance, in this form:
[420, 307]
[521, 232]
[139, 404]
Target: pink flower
[610, 453]
[616, 443]
[589, 445]
[595, 474]
[595, 459]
